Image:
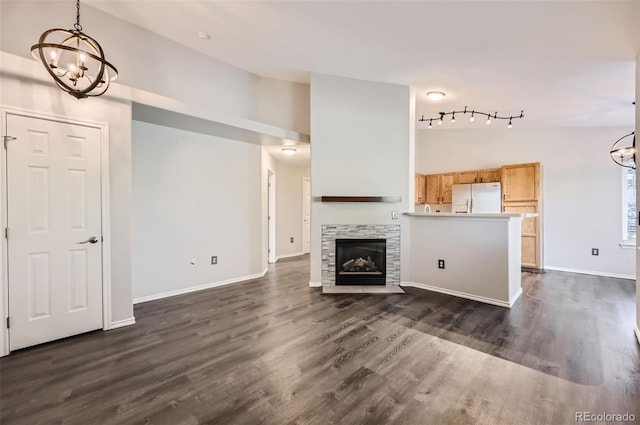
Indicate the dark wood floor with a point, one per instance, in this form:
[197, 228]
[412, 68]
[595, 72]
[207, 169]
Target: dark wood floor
[274, 351]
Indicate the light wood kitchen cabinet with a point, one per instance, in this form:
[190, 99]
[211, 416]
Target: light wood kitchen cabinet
[432, 188]
[521, 185]
[490, 175]
[530, 232]
[439, 188]
[420, 189]
[446, 183]
[521, 182]
[467, 177]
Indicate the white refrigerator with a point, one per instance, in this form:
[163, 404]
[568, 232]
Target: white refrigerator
[476, 198]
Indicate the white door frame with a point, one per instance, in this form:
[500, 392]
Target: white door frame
[271, 215]
[305, 179]
[105, 216]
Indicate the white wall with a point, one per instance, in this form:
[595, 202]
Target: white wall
[361, 146]
[24, 93]
[289, 208]
[581, 185]
[156, 64]
[194, 196]
[283, 103]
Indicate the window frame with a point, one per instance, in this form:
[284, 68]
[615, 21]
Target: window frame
[629, 243]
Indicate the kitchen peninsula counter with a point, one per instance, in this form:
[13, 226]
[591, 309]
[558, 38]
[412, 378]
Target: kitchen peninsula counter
[471, 215]
[481, 253]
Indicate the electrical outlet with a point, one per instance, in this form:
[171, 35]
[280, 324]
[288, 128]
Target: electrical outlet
[291, 239]
[595, 251]
[214, 259]
[441, 264]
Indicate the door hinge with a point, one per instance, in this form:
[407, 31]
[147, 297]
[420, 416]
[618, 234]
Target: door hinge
[7, 139]
[6, 233]
[8, 323]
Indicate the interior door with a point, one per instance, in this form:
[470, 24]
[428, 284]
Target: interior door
[306, 215]
[54, 230]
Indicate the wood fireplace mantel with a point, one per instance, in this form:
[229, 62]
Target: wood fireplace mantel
[387, 199]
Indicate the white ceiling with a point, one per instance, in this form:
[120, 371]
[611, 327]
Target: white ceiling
[569, 63]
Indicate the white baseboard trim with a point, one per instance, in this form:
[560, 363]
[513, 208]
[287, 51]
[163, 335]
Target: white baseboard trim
[638, 333]
[122, 323]
[295, 254]
[462, 294]
[198, 288]
[590, 272]
[315, 284]
[513, 299]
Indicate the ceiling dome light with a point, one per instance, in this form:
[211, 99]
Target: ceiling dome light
[435, 95]
[74, 60]
[288, 151]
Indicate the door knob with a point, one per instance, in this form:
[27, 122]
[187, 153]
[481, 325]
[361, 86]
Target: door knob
[92, 239]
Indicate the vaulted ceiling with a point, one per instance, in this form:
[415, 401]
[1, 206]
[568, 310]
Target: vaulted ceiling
[568, 63]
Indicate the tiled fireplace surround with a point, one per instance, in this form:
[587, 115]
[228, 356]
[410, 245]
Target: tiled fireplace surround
[331, 232]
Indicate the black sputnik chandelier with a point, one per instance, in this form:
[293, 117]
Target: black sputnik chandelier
[74, 60]
[489, 117]
[623, 151]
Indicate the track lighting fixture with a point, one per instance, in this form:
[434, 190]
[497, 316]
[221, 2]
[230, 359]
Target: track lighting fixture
[489, 121]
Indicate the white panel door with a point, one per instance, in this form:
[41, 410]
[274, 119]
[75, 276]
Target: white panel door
[306, 215]
[54, 205]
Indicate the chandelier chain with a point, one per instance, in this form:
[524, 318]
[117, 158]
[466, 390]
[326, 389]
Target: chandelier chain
[77, 25]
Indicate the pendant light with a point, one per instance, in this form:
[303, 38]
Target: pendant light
[74, 60]
[624, 154]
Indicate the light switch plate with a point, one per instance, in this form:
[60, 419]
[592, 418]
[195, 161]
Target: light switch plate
[394, 215]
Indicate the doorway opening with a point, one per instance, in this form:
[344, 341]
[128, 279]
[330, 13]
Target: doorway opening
[271, 216]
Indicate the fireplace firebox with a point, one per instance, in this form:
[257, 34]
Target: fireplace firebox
[361, 261]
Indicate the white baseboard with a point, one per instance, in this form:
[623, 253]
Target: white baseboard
[513, 299]
[590, 272]
[315, 284]
[122, 323]
[463, 294]
[296, 254]
[638, 333]
[198, 288]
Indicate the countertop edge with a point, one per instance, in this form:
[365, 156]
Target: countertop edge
[471, 216]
